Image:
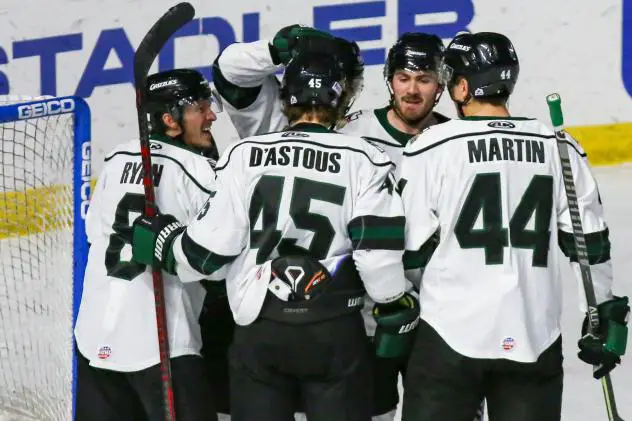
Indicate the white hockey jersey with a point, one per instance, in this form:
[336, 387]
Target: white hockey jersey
[373, 126]
[328, 193]
[245, 77]
[116, 325]
[490, 192]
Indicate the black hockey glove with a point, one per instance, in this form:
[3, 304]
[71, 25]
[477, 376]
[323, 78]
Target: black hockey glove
[284, 43]
[152, 240]
[396, 325]
[605, 348]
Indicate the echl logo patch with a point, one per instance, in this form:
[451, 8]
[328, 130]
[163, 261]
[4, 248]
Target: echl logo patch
[501, 124]
[508, 344]
[104, 352]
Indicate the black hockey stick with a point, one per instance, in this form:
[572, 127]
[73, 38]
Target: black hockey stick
[557, 118]
[147, 51]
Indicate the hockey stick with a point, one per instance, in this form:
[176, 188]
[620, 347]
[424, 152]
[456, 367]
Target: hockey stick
[147, 51]
[555, 109]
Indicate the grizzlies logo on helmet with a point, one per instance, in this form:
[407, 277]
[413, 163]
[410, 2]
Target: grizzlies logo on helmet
[487, 60]
[170, 91]
[176, 87]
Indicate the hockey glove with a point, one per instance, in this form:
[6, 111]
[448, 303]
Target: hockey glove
[396, 324]
[284, 43]
[604, 348]
[152, 240]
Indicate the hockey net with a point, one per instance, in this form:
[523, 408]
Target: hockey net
[42, 251]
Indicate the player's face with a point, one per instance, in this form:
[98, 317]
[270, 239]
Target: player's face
[197, 121]
[414, 94]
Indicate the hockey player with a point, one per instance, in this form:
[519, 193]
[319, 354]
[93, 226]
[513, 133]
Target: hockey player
[295, 213]
[489, 188]
[411, 77]
[244, 74]
[118, 372]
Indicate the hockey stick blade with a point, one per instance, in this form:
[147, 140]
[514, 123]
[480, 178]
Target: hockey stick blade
[554, 102]
[150, 46]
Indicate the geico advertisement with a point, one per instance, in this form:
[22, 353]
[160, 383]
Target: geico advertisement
[86, 48]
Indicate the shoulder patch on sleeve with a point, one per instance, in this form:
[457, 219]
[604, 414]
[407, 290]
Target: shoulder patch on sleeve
[348, 118]
[353, 116]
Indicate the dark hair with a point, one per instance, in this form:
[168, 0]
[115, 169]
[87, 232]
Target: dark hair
[497, 100]
[322, 114]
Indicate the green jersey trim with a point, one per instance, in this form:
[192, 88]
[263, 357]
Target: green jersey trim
[201, 259]
[237, 96]
[597, 246]
[481, 117]
[415, 259]
[370, 232]
[382, 118]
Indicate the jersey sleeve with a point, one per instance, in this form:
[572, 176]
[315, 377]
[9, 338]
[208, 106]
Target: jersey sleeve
[94, 222]
[593, 224]
[418, 186]
[218, 234]
[376, 230]
[198, 185]
[244, 76]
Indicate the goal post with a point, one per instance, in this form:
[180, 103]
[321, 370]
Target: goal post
[45, 175]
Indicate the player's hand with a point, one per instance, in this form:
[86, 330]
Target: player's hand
[396, 324]
[605, 348]
[283, 45]
[152, 239]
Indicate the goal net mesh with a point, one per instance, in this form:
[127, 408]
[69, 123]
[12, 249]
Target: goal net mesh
[36, 248]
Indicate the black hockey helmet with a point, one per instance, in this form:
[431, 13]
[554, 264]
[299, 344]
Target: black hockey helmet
[414, 51]
[347, 52]
[170, 91]
[353, 65]
[314, 79]
[487, 60]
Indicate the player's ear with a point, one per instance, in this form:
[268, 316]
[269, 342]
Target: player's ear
[460, 89]
[169, 121]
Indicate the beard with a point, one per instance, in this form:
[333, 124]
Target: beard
[413, 109]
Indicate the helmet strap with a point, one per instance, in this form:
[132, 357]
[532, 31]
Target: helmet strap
[438, 96]
[461, 104]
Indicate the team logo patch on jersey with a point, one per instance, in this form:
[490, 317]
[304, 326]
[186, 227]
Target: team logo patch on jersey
[500, 124]
[295, 134]
[104, 352]
[155, 146]
[508, 344]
